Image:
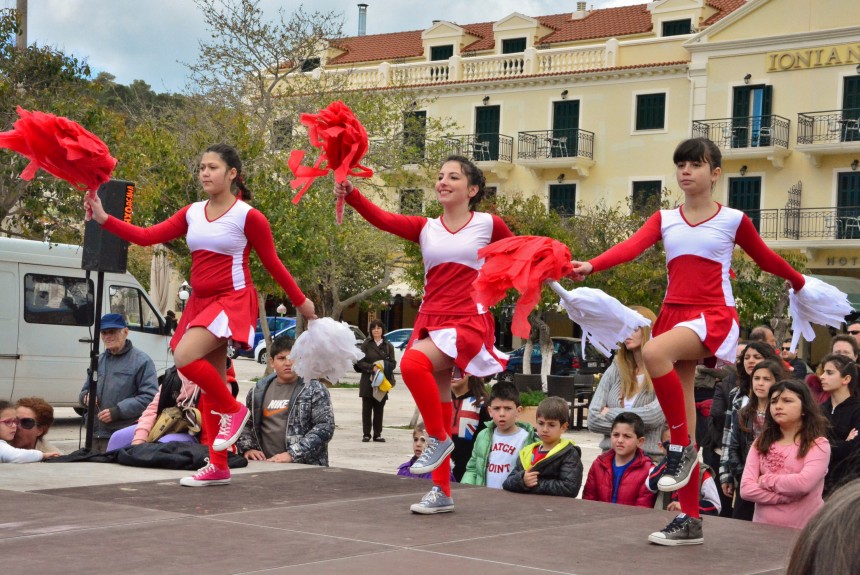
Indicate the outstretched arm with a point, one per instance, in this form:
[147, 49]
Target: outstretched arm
[645, 237]
[172, 228]
[768, 260]
[406, 227]
[259, 234]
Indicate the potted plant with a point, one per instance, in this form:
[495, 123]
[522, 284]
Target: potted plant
[530, 400]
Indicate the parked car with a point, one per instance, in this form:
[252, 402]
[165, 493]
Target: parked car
[261, 353]
[567, 359]
[399, 338]
[276, 324]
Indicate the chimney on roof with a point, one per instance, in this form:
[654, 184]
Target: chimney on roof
[580, 6]
[581, 11]
[362, 19]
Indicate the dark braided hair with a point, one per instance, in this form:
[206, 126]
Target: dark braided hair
[231, 157]
[474, 177]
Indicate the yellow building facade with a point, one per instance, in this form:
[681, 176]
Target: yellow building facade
[588, 106]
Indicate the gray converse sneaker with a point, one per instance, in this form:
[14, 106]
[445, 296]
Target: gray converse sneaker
[434, 502]
[679, 467]
[683, 530]
[435, 452]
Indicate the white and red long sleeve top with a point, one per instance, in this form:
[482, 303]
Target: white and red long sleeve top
[451, 260]
[219, 247]
[699, 257]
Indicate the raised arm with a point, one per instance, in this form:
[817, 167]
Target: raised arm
[259, 234]
[767, 259]
[176, 226]
[406, 227]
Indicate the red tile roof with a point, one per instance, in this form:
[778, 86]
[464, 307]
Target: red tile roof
[601, 23]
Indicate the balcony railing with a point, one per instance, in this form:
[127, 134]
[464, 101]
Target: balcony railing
[475, 68]
[745, 132]
[840, 223]
[546, 144]
[482, 147]
[829, 127]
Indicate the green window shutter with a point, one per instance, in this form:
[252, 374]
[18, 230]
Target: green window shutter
[677, 27]
[513, 45]
[441, 52]
[650, 111]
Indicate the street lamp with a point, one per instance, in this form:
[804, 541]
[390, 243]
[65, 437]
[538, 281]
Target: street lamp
[282, 309]
[184, 294]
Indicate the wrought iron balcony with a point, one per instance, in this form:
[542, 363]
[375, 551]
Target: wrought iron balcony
[546, 144]
[745, 132]
[828, 127]
[841, 223]
[482, 147]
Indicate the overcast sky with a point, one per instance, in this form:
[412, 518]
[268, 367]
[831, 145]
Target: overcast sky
[146, 39]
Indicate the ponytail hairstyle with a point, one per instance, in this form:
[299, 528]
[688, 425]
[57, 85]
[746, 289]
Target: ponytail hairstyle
[845, 367]
[474, 177]
[230, 156]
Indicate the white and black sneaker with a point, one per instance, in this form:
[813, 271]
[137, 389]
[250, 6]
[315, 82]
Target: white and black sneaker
[435, 452]
[683, 530]
[434, 502]
[680, 461]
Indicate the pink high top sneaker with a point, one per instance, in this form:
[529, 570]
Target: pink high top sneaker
[231, 428]
[209, 475]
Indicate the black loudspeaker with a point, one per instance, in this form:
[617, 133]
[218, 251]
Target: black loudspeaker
[103, 251]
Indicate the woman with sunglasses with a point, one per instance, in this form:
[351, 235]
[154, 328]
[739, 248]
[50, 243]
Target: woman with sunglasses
[8, 426]
[35, 417]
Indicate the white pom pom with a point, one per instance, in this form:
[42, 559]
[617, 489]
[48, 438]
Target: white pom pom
[604, 320]
[326, 350]
[816, 302]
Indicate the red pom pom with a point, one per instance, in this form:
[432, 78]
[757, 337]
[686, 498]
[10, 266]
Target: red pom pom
[343, 141]
[61, 147]
[523, 263]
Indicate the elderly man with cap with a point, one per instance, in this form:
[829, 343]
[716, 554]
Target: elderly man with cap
[127, 382]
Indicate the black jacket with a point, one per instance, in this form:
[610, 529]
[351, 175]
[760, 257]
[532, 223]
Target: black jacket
[559, 473]
[844, 455]
[372, 354]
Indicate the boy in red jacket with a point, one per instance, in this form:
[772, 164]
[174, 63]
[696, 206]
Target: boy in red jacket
[619, 475]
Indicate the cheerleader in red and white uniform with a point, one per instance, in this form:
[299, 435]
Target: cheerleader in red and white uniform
[223, 305]
[698, 318]
[450, 328]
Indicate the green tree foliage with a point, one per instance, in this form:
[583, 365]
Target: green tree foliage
[261, 69]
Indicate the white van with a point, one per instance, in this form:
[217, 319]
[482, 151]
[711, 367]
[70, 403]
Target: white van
[46, 320]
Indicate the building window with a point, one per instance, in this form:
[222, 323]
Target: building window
[414, 134]
[441, 52]
[677, 27]
[646, 196]
[650, 111]
[513, 45]
[562, 199]
[282, 133]
[412, 202]
[490, 194]
[310, 64]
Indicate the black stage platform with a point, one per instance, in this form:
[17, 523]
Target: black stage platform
[315, 520]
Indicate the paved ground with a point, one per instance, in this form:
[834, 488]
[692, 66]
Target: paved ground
[346, 448]
[99, 518]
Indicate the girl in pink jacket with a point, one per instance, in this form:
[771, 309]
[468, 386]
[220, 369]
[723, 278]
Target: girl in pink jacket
[785, 468]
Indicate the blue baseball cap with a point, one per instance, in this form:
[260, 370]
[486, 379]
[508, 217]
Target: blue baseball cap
[113, 321]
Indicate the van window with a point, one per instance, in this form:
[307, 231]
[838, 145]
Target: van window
[135, 308]
[58, 300]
